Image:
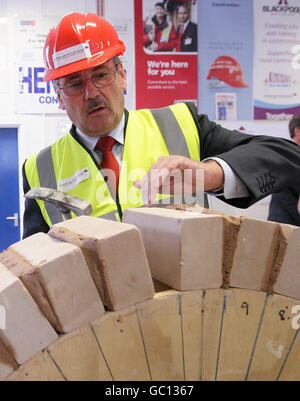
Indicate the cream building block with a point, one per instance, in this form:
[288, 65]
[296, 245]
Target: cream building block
[231, 227]
[184, 249]
[256, 250]
[56, 275]
[288, 263]
[115, 255]
[26, 331]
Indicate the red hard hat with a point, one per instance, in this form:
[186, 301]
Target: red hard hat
[78, 42]
[228, 70]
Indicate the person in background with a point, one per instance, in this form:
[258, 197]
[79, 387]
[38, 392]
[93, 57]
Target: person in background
[186, 31]
[285, 205]
[117, 159]
[160, 34]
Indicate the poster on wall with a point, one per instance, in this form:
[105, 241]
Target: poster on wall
[166, 52]
[276, 59]
[225, 59]
[32, 94]
[124, 27]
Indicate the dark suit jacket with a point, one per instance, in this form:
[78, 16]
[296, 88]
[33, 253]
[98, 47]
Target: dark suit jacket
[189, 42]
[283, 207]
[264, 164]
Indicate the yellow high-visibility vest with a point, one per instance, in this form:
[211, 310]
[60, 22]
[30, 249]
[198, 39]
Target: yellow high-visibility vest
[68, 167]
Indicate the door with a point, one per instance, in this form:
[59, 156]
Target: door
[9, 188]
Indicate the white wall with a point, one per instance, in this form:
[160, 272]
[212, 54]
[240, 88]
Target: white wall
[34, 131]
[37, 131]
[121, 15]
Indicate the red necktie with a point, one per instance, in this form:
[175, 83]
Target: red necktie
[179, 38]
[109, 162]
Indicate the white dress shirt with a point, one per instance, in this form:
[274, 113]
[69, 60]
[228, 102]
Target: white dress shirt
[91, 141]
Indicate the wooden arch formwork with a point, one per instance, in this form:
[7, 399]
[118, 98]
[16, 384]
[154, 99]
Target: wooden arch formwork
[225, 304]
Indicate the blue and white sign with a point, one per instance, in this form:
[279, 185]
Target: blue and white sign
[33, 94]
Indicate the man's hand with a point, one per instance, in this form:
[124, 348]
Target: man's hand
[179, 175]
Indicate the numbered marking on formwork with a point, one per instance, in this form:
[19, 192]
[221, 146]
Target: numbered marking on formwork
[274, 341]
[241, 315]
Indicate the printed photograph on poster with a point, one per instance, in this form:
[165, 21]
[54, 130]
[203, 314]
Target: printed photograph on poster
[226, 106]
[163, 77]
[170, 26]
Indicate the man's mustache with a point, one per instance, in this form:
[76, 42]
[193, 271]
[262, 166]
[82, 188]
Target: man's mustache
[95, 104]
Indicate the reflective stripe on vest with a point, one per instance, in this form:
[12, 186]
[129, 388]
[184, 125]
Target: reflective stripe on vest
[179, 136]
[171, 131]
[45, 168]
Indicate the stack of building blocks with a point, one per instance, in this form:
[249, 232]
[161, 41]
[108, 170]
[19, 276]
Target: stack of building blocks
[49, 286]
[190, 250]
[57, 277]
[81, 295]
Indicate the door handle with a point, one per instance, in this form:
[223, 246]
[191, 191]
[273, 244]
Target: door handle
[15, 218]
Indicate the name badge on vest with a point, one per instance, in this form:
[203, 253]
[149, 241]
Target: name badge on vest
[71, 182]
[188, 41]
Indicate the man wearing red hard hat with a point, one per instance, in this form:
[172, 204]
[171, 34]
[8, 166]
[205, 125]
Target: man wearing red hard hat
[117, 159]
